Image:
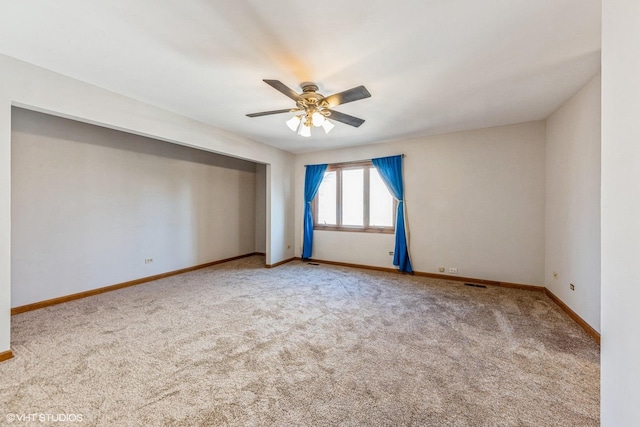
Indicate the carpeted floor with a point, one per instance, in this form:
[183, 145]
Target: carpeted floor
[238, 344]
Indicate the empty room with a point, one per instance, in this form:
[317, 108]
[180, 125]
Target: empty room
[344, 213]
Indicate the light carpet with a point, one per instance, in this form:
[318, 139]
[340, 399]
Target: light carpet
[238, 344]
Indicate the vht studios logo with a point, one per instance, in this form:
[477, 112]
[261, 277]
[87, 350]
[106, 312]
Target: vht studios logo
[42, 417]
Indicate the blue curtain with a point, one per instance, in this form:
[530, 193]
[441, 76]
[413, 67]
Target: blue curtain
[312, 180]
[390, 170]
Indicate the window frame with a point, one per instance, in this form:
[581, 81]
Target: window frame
[338, 168]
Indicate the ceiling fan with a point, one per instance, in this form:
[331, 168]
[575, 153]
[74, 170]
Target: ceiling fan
[314, 109]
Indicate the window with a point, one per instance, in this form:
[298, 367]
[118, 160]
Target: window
[353, 197]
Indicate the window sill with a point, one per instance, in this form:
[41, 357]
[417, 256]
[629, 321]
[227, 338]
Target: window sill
[374, 230]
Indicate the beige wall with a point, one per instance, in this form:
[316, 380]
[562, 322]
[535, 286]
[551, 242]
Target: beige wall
[90, 204]
[620, 213]
[572, 226]
[261, 208]
[475, 202]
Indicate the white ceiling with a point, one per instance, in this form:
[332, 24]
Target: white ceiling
[432, 66]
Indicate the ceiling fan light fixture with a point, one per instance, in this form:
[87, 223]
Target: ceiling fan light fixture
[293, 123]
[314, 108]
[327, 126]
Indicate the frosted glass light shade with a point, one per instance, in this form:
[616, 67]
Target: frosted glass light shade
[305, 131]
[327, 126]
[317, 119]
[293, 123]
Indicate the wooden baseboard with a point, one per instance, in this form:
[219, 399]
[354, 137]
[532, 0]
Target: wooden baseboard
[260, 253]
[79, 295]
[482, 281]
[458, 278]
[280, 263]
[579, 320]
[347, 264]
[535, 288]
[41, 304]
[6, 355]
[436, 276]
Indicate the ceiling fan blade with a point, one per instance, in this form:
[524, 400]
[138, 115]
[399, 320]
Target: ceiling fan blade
[345, 118]
[350, 95]
[266, 113]
[281, 87]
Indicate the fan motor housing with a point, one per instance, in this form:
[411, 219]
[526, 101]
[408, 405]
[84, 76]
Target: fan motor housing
[310, 98]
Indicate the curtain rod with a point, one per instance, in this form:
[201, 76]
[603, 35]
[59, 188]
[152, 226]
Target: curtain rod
[364, 160]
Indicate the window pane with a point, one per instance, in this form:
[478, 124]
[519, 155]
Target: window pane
[380, 201]
[327, 200]
[352, 197]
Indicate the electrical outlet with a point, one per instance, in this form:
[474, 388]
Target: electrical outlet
[572, 287]
[555, 274]
[441, 269]
[148, 260]
[453, 270]
[391, 253]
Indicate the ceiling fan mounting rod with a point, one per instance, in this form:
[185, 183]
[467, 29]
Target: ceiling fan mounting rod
[309, 87]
